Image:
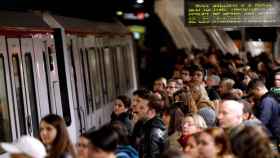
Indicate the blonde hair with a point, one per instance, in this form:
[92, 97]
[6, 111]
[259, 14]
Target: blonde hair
[203, 99]
[199, 122]
[201, 91]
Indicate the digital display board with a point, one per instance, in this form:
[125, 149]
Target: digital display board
[247, 13]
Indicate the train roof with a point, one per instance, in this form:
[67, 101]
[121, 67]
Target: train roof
[24, 21]
[76, 25]
[36, 22]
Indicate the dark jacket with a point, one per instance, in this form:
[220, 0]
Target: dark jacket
[126, 151]
[124, 118]
[137, 136]
[268, 112]
[155, 138]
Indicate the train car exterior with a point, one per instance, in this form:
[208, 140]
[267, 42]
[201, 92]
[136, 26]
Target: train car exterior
[53, 64]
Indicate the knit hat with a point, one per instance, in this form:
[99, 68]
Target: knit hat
[209, 115]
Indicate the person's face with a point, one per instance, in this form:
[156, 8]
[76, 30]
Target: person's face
[227, 117]
[119, 107]
[171, 88]
[158, 86]
[176, 74]
[197, 77]
[188, 126]
[222, 88]
[47, 133]
[83, 147]
[139, 107]
[206, 146]
[185, 76]
[213, 59]
[195, 94]
[246, 79]
[277, 80]
[191, 149]
[166, 119]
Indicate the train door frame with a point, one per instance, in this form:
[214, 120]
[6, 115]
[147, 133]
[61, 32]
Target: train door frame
[76, 82]
[27, 55]
[12, 119]
[53, 83]
[19, 86]
[44, 89]
[88, 43]
[101, 45]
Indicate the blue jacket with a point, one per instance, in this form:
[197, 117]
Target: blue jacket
[268, 112]
[126, 151]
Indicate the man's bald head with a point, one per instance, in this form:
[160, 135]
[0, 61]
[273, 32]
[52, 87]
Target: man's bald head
[230, 113]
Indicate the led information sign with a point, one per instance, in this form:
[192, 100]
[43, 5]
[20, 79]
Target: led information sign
[232, 12]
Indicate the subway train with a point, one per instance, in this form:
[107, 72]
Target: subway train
[68, 66]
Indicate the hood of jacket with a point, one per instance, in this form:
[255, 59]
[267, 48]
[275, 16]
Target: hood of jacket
[126, 151]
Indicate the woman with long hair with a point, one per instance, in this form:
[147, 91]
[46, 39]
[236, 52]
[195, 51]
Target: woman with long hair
[54, 135]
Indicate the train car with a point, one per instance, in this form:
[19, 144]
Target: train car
[68, 66]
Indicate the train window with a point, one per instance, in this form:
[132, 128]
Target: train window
[73, 74]
[5, 126]
[88, 87]
[109, 73]
[95, 76]
[115, 70]
[129, 75]
[45, 58]
[127, 72]
[19, 94]
[100, 55]
[121, 68]
[32, 95]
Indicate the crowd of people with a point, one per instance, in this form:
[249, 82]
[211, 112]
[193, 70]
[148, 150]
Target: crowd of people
[214, 106]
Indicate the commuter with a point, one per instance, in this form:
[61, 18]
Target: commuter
[249, 119]
[184, 101]
[213, 143]
[159, 84]
[163, 98]
[186, 77]
[104, 142]
[213, 82]
[25, 147]
[268, 106]
[155, 134]
[124, 149]
[83, 146]
[121, 112]
[197, 75]
[230, 114]
[192, 123]
[190, 147]
[225, 86]
[176, 74]
[205, 106]
[252, 141]
[140, 100]
[54, 135]
[171, 88]
[172, 118]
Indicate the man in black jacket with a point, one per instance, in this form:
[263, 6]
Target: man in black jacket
[155, 136]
